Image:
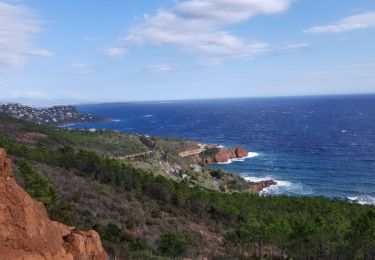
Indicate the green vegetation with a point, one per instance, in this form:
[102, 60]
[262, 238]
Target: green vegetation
[37, 186]
[173, 245]
[119, 200]
[162, 159]
[108, 143]
[210, 152]
[231, 182]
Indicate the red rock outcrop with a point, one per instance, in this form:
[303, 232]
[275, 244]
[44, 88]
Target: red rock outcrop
[241, 152]
[27, 233]
[257, 187]
[223, 155]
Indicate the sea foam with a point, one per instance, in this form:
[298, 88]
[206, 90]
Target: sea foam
[257, 179]
[282, 187]
[249, 155]
[363, 199]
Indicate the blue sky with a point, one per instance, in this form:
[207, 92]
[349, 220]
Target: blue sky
[167, 49]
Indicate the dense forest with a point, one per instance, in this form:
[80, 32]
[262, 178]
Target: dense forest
[247, 226]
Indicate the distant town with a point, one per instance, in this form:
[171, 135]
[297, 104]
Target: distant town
[56, 115]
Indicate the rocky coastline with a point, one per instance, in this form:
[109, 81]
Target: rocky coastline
[221, 155]
[257, 187]
[218, 154]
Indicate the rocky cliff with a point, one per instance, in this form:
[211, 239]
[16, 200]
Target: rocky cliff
[26, 232]
[257, 187]
[222, 155]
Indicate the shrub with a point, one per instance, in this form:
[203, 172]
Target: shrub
[36, 185]
[173, 245]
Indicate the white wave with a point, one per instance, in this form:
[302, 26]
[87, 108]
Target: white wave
[249, 155]
[116, 120]
[282, 187]
[257, 179]
[148, 115]
[286, 188]
[363, 199]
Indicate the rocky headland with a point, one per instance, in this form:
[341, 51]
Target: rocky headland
[28, 233]
[222, 155]
[216, 154]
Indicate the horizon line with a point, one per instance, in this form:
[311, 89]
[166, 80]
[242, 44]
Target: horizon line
[87, 102]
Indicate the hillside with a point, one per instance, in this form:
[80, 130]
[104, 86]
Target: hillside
[144, 209]
[162, 156]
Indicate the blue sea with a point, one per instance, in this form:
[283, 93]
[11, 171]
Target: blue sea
[310, 145]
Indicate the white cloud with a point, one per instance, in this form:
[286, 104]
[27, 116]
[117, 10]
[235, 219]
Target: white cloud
[197, 26]
[229, 11]
[291, 48]
[159, 68]
[81, 69]
[350, 23]
[18, 26]
[115, 52]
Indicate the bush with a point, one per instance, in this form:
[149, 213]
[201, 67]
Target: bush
[113, 233]
[172, 245]
[36, 185]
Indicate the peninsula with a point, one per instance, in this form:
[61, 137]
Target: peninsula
[56, 115]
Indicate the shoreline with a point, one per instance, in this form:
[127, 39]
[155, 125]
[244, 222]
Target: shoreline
[271, 190]
[241, 159]
[259, 186]
[66, 125]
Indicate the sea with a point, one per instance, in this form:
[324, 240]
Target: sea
[312, 146]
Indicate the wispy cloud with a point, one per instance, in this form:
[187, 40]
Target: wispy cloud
[18, 26]
[291, 48]
[115, 52]
[81, 69]
[159, 68]
[198, 26]
[350, 23]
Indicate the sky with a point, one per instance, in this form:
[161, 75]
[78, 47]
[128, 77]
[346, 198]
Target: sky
[104, 51]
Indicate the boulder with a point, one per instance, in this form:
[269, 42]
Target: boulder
[241, 152]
